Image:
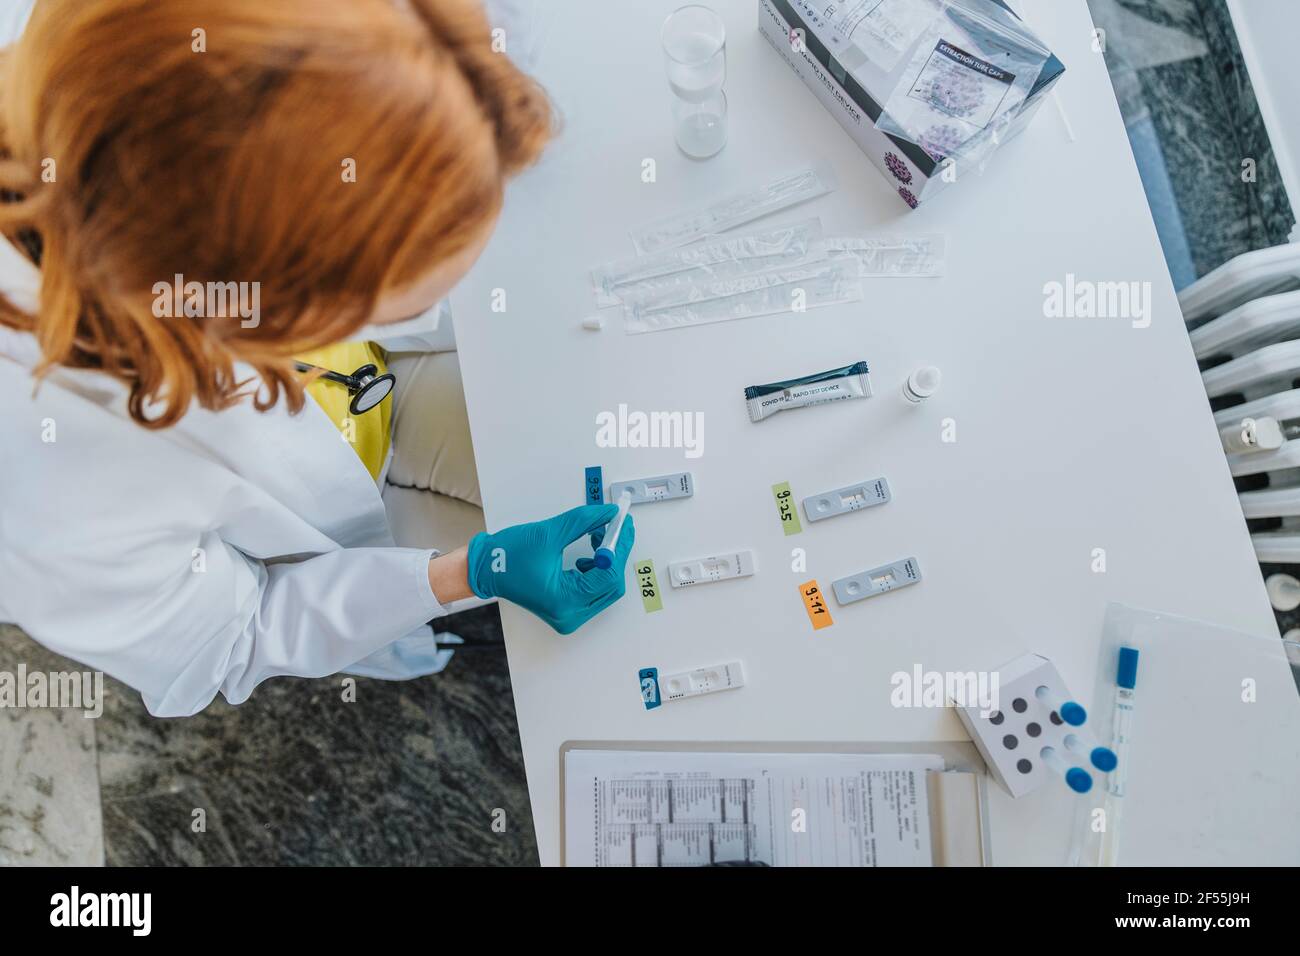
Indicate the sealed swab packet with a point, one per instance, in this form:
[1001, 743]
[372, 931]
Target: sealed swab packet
[965, 83]
[787, 289]
[735, 210]
[837, 385]
[641, 276]
[920, 256]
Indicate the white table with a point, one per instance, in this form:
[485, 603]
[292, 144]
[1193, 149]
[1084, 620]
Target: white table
[1071, 434]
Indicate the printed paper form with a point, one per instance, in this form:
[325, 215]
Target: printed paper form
[648, 808]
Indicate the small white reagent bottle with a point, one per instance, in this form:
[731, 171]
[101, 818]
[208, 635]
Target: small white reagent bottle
[921, 384]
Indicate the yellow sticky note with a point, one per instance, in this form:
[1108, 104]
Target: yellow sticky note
[648, 582]
[785, 507]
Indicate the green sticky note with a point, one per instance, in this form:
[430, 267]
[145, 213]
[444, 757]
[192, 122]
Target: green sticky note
[651, 596]
[785, 507]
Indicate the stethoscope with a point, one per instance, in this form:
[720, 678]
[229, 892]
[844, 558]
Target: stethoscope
[366, 387]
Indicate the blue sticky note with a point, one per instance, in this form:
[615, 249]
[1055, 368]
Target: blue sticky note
[595, 486]
[649, 677]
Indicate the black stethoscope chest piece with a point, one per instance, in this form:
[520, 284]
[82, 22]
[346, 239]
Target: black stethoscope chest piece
[366, 386]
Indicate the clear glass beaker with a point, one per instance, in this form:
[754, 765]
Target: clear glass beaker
[701, 128]
[695, 54]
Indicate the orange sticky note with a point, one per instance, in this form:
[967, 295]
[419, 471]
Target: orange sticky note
[814, 602]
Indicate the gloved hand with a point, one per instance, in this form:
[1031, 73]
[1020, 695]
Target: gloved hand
[524, 565]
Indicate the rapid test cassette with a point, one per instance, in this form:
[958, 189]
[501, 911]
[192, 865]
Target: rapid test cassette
[704, 680]
[1029, 731]
[865, 584]
[723, 567]
[659, 488]
[865, 494]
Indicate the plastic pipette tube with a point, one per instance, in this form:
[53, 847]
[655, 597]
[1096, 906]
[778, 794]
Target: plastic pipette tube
[1070, 712]
[1125, 697]
[1078, 779]
[1103, 758]
[605, 553]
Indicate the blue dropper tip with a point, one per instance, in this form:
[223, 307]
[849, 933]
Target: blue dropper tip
[1104, 759]
[1073, 714]
[604, 558]
[1080, 781]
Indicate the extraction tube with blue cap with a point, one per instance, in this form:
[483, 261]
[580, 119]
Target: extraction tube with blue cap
[1079, 780]
[605, 553]
[1069, 711]
[1103, 758]
[1121, 737]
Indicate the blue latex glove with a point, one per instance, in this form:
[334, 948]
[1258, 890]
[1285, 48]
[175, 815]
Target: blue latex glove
[525, 565]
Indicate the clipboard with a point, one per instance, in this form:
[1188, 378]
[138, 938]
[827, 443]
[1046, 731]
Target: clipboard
[957, 795]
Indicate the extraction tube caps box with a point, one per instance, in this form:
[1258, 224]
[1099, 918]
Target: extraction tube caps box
[855, 98]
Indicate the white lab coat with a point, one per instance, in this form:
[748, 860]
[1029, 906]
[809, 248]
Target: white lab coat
[199, 559]
[208, 557]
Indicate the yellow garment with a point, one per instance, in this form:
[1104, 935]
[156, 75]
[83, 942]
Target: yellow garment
[369, 433]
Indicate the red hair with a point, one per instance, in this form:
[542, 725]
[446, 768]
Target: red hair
[213, 139]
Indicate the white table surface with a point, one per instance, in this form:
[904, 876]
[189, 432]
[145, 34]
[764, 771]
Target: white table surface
[1071, 434]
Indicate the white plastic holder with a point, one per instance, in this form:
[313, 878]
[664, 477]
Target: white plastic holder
[1011, 738]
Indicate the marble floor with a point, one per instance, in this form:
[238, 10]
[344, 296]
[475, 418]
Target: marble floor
[1192, 119]
[423, 772]
[49, 783]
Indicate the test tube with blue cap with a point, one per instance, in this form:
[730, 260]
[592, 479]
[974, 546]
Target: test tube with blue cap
[1078, 779]
[605, 553]
[1125, 696]
[1103, 758]
[1069, 711]
[1121, 736]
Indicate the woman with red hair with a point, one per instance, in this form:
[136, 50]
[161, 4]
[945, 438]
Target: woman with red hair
[228, 225]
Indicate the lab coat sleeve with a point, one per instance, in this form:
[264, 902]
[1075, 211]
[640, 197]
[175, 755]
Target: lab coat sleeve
[308, 618]
[182, 618]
